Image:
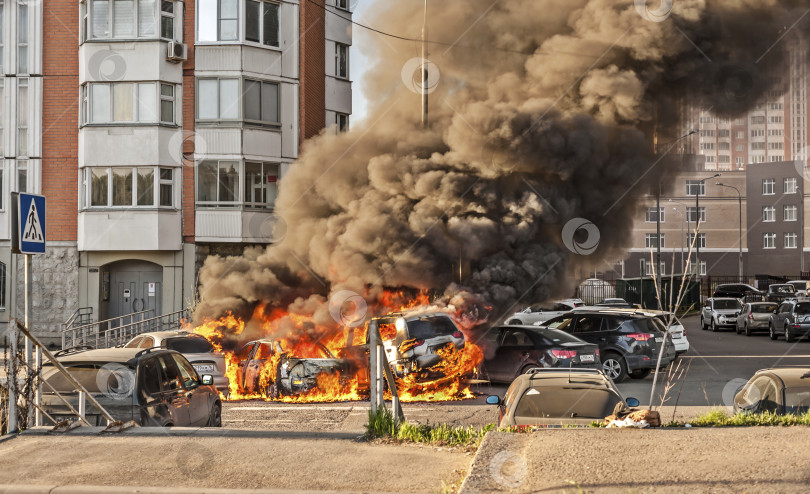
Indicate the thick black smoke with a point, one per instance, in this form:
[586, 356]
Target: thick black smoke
[545, 112]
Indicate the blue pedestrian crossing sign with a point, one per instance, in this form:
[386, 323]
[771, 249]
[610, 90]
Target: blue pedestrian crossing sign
[31, 223]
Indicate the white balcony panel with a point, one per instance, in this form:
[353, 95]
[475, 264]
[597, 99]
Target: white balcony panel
[261, 62]
[234, 226]
[289, 39]
[338, 95]
[125, 146]
[218, 140]
[289, 120]
[262, 143]
[129, 230]
[337, 28]
[217, 58]
[127, 61]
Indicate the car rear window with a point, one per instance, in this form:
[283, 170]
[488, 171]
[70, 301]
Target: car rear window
[802, 308]
[763, 309]
[567, 403]
[189, 344]
[797, 399]
[430, 327]
[110, 378]
[726, 304]
[556, 336]
[800, 285]
[643, 325]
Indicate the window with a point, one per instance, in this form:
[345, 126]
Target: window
[769, 241]
[776, 145]
[262, 22]
[648, 268]
[653, 213]
[261, 184]
[724, 158]
[167, 19]
[2, 15]
[723, 133]
[218, 20]
[651, 240]
[790, 240]
[22, 176]
[791, 187]
[22, 117]
[776, 119]
[692, 217]
[125, 187]
[701, 271]
[130, 19]
[342, 122]
[695, 187]
[22, 38]
[706, 133]
[261, 102]
[739, 147]
[341, 60]
[758, 146]
[342, 4]
[218, 183]
[706, 119]
[127, 102]
[700, 243]
[218, 99]
[707, 146]
[740, 134]
[791, 213]
[724, 146]
[768, 186]
[769, 214]
[758, 120]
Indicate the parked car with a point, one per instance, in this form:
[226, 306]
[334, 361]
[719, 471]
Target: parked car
[154, 387]
[735, 290]
[628, 343]
[520, 348]
[558, 397]
[197, 349]
[617, 302]
[779, 292]
[755, 316]
[292, 375]
[676, 330]
[543, 312]
[791, 319]
[801, 287]
[720, 313]
[593, 290]
[779, 390]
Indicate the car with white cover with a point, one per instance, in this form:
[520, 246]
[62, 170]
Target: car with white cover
[538, 313]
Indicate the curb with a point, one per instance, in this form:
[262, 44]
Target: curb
[102, 489]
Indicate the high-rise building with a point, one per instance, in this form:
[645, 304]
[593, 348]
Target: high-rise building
[159, 131]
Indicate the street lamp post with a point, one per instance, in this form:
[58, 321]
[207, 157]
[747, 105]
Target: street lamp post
[739, 198]
[681, 215]
[697, 216]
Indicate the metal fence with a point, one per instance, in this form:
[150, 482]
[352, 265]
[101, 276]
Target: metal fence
[93, 334]
[121, 334]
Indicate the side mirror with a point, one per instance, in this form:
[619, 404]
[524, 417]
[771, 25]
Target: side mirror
[207, 380]
[493, 400]
[632, 402]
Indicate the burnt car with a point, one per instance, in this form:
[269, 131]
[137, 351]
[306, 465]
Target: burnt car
[291, 375]
[154, 387]
[519, 349]
[414, 343]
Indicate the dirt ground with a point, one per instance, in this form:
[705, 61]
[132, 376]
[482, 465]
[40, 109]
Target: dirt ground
[234, 460]
[750, 460]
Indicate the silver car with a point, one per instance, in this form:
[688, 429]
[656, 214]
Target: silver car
[754, 316]
[198, 350]
[720, 312]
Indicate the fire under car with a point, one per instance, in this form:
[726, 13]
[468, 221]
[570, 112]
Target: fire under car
[292, 375]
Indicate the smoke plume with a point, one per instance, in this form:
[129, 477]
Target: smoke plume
[545, 111]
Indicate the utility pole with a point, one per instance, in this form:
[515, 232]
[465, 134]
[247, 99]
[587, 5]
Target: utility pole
[424, 70]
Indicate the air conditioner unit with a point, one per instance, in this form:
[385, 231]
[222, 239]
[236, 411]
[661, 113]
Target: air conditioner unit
[176, 52]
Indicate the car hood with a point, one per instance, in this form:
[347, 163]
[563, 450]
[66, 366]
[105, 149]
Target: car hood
[726, 312]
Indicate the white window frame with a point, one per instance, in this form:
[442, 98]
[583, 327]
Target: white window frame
[22, 117]
[768, 214]
[238, 199]
[157, 14]
[343, 126]
[699, 243]
[265, 206]
[338, 48]
[87, 176]
[791, 185]
[262, 41]
[692, 216]
[650, 240]
[23, 35]
[219, 118]
[87, 104]
[791, 241]
[700, 184]
[768, 186]
[768, 241]
[790, 212]
[243, 100]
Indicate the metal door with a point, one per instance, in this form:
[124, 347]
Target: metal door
[135, 286]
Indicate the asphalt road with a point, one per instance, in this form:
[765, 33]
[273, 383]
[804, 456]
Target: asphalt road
[710, 373]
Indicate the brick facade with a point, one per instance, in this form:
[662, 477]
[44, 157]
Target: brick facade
[312, 98]
[189, 108]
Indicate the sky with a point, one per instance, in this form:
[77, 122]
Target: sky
[358, 63]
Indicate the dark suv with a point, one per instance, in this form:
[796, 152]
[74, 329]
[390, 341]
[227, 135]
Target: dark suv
[791, 319]
[628, 343]
[736, 290]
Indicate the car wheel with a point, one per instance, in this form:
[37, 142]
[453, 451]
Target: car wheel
[747, 329]
[514, 322]
[640, 373]
[788, 336]
[614, 367]
[215, 417]
[772, 331]
[713, 326]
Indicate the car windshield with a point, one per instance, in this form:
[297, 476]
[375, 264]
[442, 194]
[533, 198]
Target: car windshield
[189, 344]
[802, 308]
[557, 336]
[763, 308]
[430, 328]
[726, 304]
[797, 400]
[589, 403]
[109, 378]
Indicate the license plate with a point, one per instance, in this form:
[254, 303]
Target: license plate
[659, 339]
[204, 368]
[586, 358]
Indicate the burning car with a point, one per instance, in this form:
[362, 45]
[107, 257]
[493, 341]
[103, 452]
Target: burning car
[266, 368]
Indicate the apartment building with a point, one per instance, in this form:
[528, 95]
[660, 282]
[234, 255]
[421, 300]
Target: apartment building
[159, 131]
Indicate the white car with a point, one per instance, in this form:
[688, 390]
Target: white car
[720, 312]
[801, 287]
[197, 350]
[538, 313]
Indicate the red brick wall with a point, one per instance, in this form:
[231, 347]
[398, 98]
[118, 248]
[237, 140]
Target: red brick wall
[60, 118]
[312, 96]
[188, 126]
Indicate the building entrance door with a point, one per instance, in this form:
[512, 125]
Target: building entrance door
[131, 286]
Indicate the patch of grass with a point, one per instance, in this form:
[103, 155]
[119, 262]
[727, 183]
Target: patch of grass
[721, 418]
[381, 424]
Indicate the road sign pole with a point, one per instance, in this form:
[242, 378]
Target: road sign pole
[29, 350]
[11, 379]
